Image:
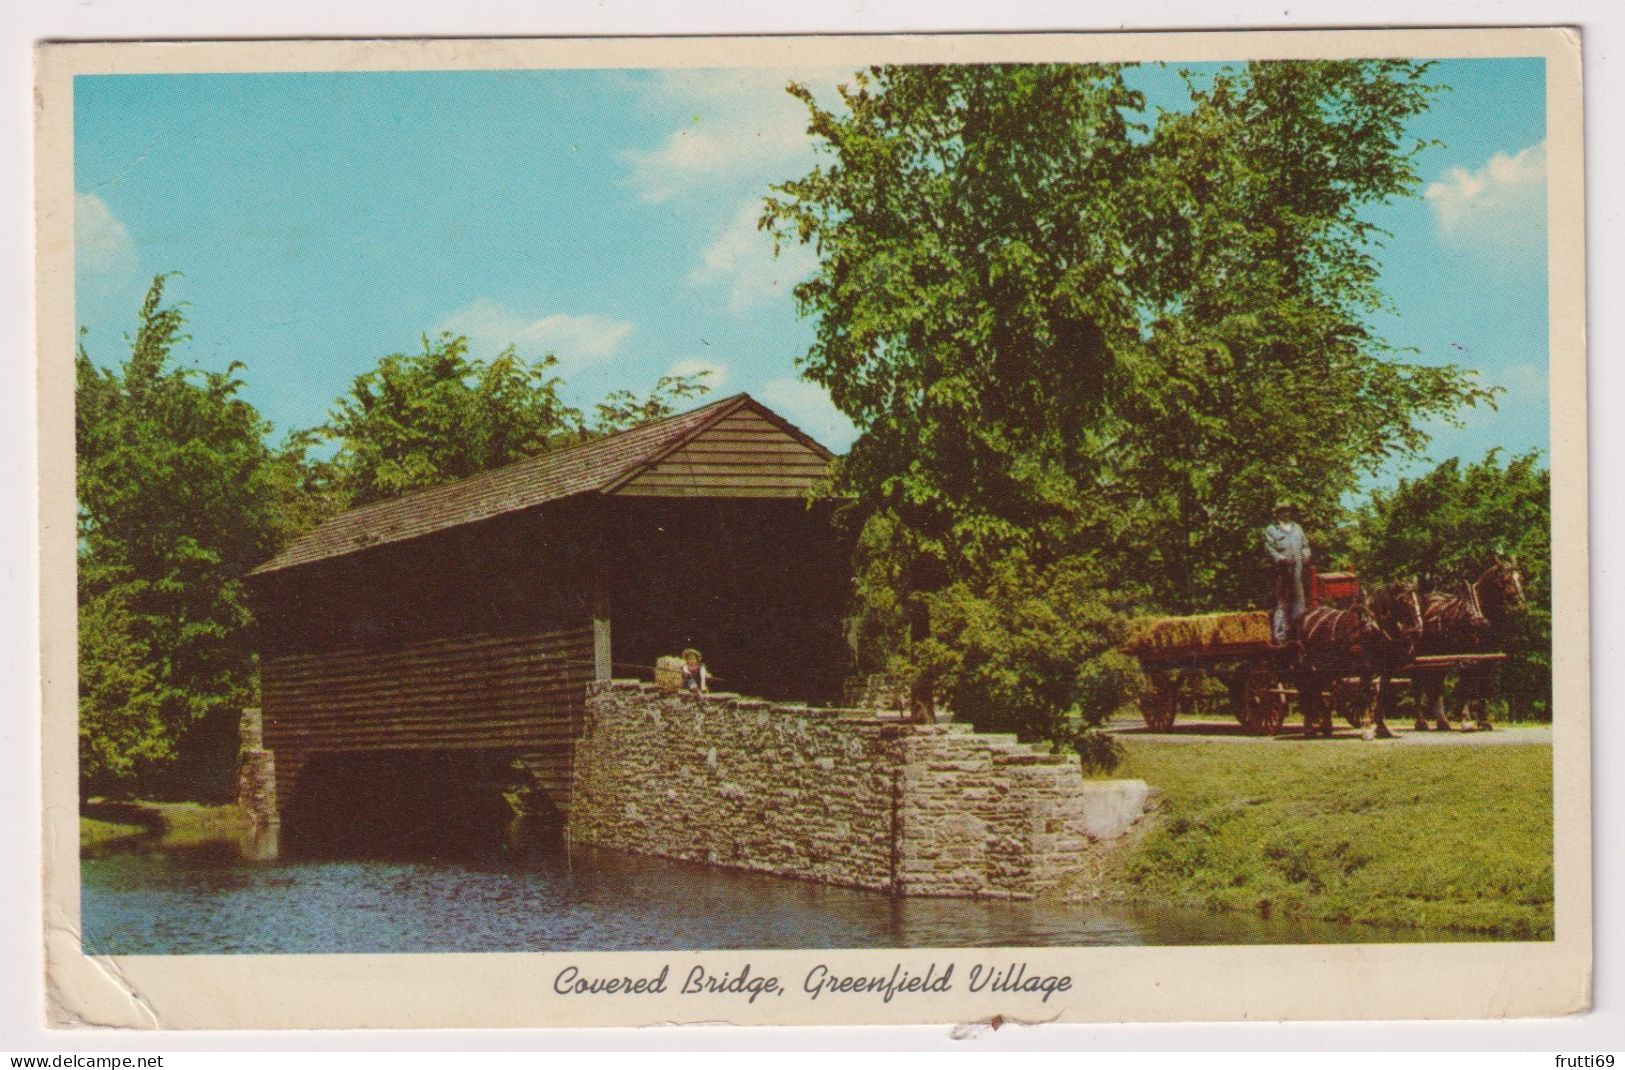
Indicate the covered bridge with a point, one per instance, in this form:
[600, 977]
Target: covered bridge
[471, 616]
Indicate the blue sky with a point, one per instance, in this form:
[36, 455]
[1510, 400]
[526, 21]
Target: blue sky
[323, 220]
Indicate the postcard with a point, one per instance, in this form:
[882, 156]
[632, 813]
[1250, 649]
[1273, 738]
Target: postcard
[814, 530]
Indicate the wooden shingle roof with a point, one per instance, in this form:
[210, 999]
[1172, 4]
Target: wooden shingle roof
[604, 465]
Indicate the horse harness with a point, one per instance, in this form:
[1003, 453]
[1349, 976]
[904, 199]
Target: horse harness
[1339, 625]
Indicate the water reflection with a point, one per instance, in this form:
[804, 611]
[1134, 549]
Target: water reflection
[206, 900]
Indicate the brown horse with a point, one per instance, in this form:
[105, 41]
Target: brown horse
[1464, 624]
[1372, 640]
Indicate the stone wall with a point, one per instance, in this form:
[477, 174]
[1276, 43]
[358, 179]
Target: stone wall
[847, 797]
[787, 790]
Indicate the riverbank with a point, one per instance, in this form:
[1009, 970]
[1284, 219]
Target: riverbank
[179, 824]
[1450, 839]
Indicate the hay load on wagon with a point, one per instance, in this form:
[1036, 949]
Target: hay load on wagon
[1176, 652]
[1204, 632]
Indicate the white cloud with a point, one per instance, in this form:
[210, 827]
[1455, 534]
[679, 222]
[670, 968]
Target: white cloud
[691, 156]
[1502, 203]
[806, 405]
[101, 243]
[695, 365]
[576, 340]
[738, 121]
[1522, 381]
[740, 83]
[740, 259]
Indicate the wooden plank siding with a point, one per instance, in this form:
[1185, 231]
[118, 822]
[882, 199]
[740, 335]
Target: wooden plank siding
[743, 455]
[522, 693]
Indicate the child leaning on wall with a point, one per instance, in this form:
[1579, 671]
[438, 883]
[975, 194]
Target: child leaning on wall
[695, 677]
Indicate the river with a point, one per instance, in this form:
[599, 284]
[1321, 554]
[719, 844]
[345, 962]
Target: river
[148, 898]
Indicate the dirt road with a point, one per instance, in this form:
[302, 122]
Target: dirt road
[1213, 730]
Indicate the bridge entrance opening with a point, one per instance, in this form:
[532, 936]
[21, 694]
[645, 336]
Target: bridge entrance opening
[758, 586]
[417, 805]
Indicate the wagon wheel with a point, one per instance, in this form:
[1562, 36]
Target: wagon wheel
[1351, 699]
[1157, 707]
[1264, 701]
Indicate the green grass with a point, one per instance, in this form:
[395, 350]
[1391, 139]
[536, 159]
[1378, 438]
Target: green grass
[1453, 838]
[93, 831]
[177, 824]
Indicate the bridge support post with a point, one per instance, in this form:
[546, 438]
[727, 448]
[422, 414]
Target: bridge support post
[256, 789]
[603, 666]
[265, 781]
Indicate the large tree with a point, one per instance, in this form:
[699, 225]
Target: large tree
[178, 498]
[1256, 274]
[968, 304]
[1074, 339]
[421, 419]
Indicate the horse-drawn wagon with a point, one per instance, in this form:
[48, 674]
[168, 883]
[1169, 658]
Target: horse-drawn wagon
[1180, 654]
[1353, 651]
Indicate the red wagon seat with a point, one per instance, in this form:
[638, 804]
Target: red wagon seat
[1334, 587]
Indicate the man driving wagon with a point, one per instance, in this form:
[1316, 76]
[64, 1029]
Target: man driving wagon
[1289, 551]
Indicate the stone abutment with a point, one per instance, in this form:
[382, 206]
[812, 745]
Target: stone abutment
[844, 797]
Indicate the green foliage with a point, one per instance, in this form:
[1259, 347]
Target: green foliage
[122, 727]
[422, 419]
[1066, 331]
[178, 498]
[968, 307]
[1109, 683]
[622, 409]
[1099, 752]
[1447, 526]
[1018, 647]
[1382, 835]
